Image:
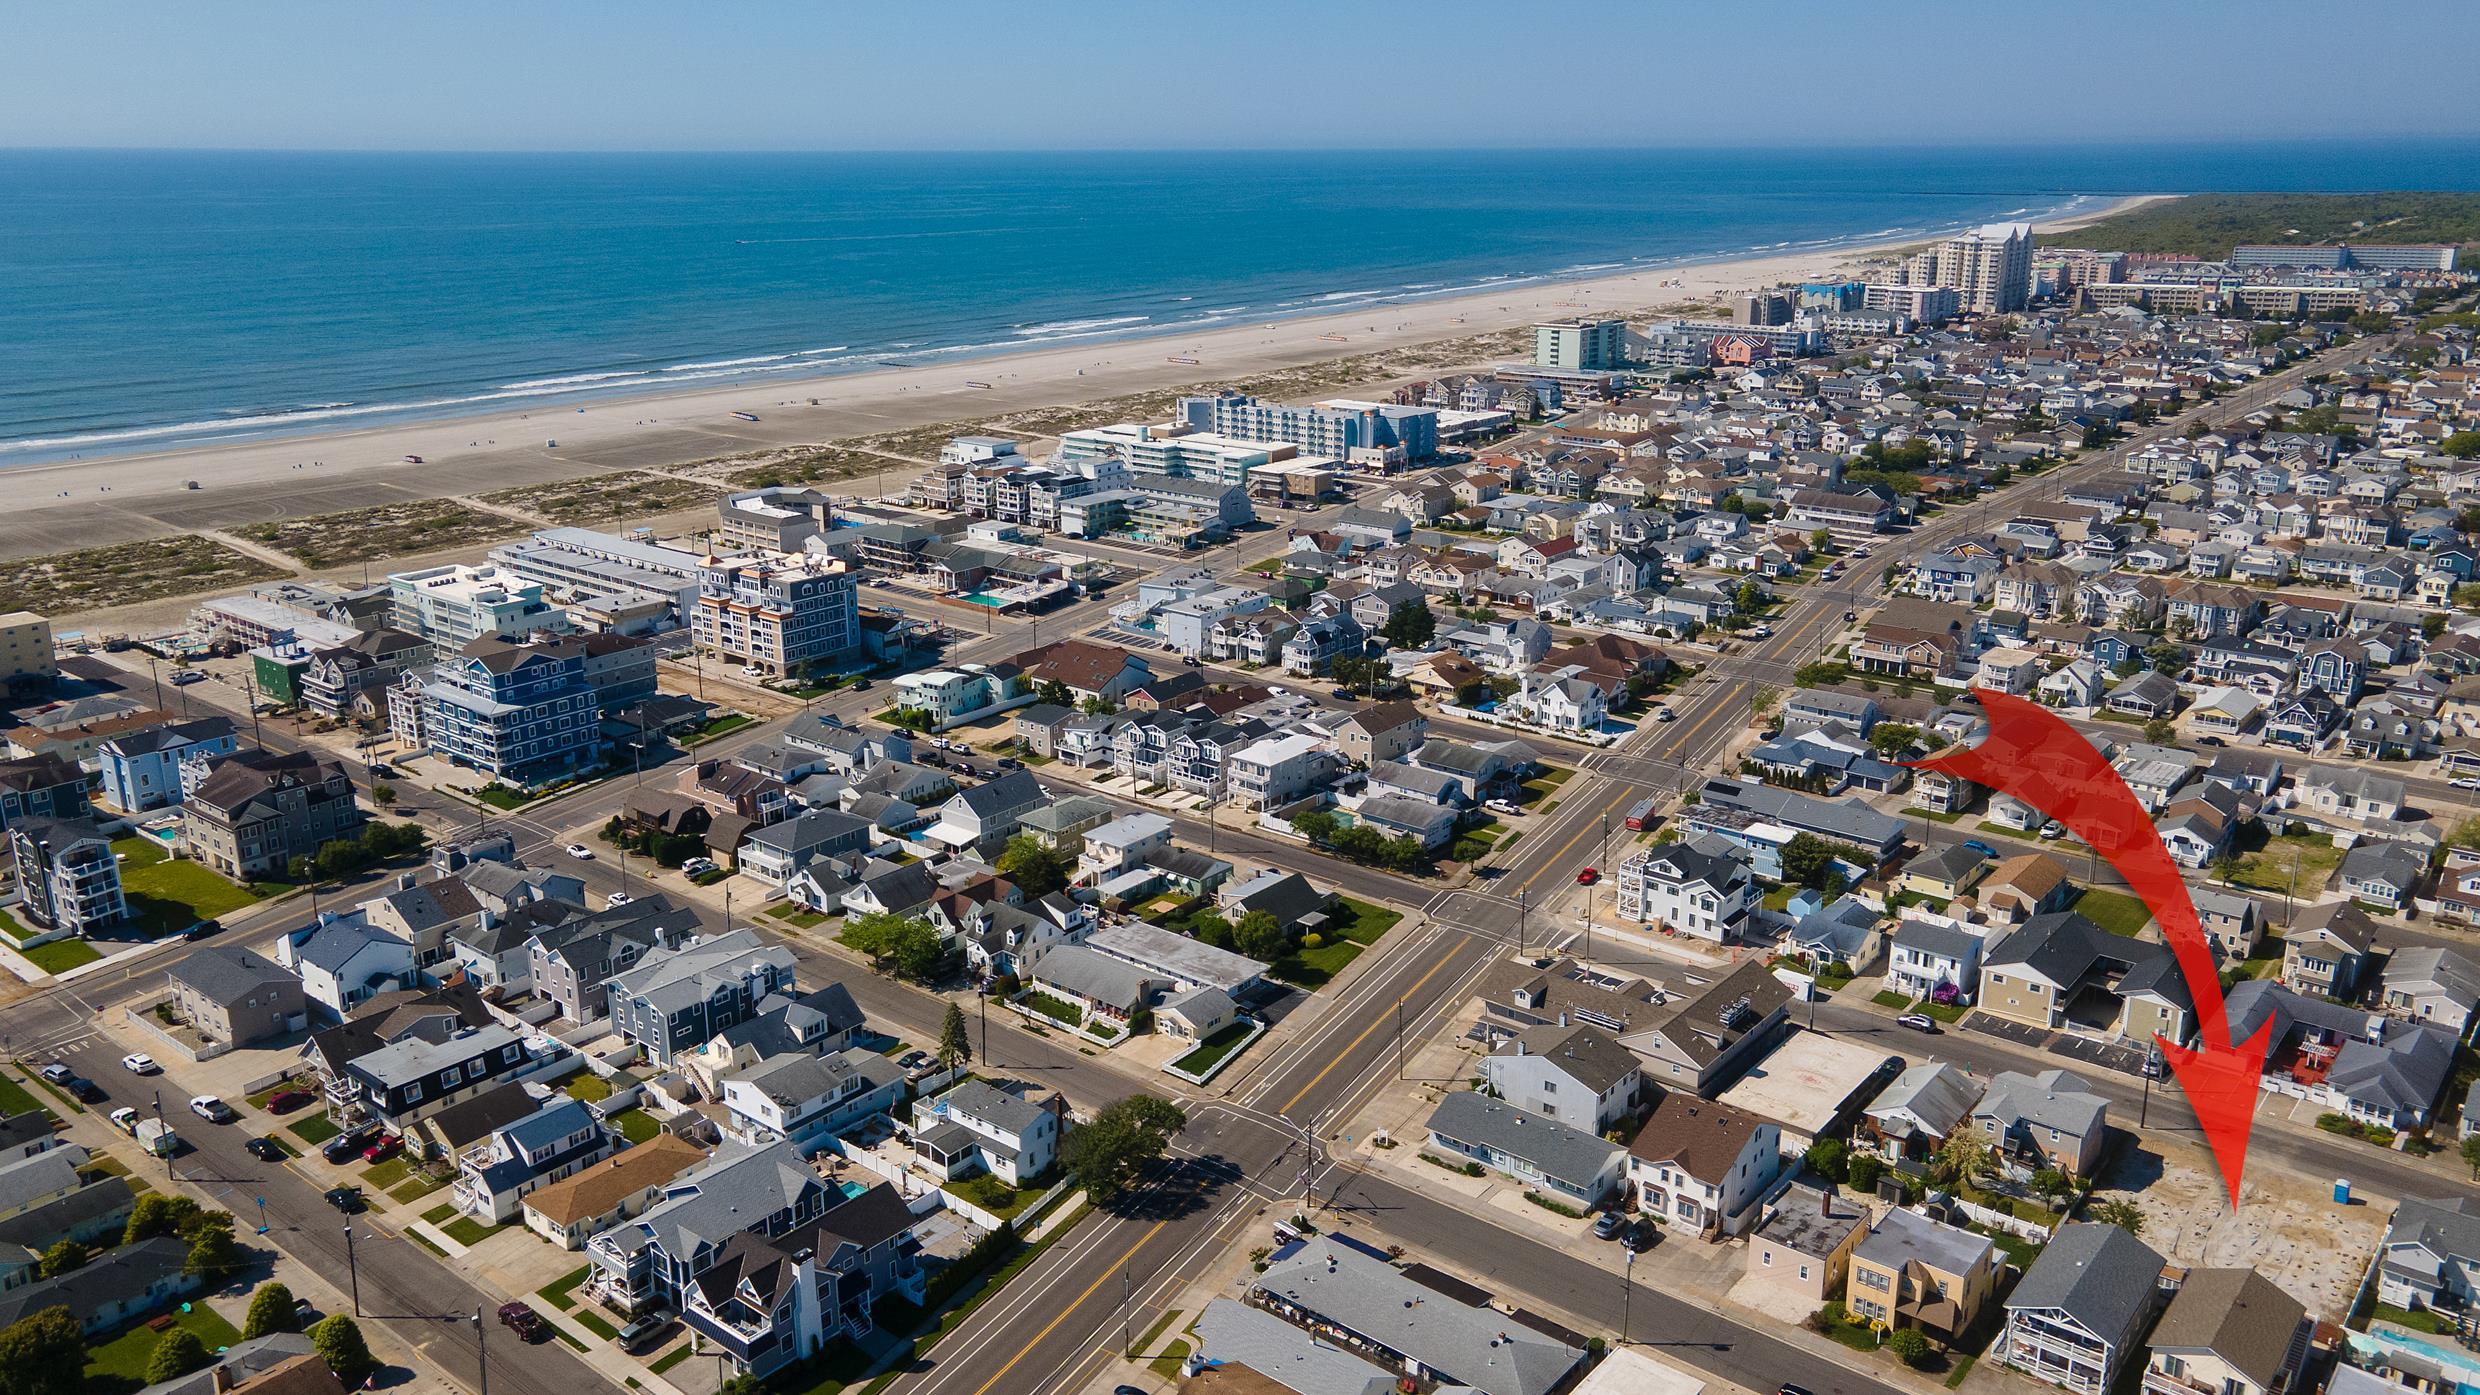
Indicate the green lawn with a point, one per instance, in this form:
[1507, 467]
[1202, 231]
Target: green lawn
[997, 1197]
[723, 725]
[17, 933]
[441, 1214]
[561, 1292]
[2114, 911]
[589, 1087]
[1931, 814]
[383, 1175]
[416, 1189]
[2269, 868]
[669, 1359]
[315, 1130]
[49, 1088]
[596, 1325]
[1313, 968]
[1054, 1009]
[2420, 1320]
[60, 956]
[467, 1231]
[1214, 1048]
[636, 1125]
[798, 916]
[167, 894]
[119, 1365]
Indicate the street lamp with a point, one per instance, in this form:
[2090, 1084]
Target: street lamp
[482, 1349]
[1627, 1291]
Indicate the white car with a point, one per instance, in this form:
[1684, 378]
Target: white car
[1503, 806]
[139, 1063]
[697, 867]
[1664, 714]
[581, 852]
[1762, 632]
[2467, 782]
[617, 898]
[213, 1110]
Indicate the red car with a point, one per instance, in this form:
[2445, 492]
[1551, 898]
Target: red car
[1588, 876]
[382, 1148]
[286, 1101]
[524, 1321]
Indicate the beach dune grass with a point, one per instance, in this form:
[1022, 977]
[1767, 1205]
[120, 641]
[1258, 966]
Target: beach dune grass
[382, 530]
[98, 578]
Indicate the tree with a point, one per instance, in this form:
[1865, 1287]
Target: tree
[1409, 625]
[1749, 598]
[1316, 825]
[212, 1250]
[1962, 1157]
[2462, 445]
[1821, 541]
[1865, 1169]
[2467, 595]
[904, 946]
[271, 1310]
[1211, 929]
[1260, 936]
[1891, 739]
[157, 1214]
[1908, 1344]
[1808, 860]
[1037, 868]
[1126, 1137]
[2471, 1154]
[177, 1353]
[1098, 706]
[2121, 1213]
[44, 1354]
[1826, 1157]
[2049, 1181]
[61, 1258]
[1056, 693]
[338, 1342]
[2159, 731]
[955, 1047]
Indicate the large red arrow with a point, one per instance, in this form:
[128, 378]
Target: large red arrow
[2033, 755]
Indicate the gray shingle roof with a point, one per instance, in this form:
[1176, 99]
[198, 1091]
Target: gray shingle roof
[1563, 1153]
[1462, 1343]
[226, 974]
[2099, 1275]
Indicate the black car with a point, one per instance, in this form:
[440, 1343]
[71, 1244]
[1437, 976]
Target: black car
[348, 1145]
[202, 930]
[86, 1091]
[345, 1199]
[265, 1150]
[1793, 1390]
[1640, 1236]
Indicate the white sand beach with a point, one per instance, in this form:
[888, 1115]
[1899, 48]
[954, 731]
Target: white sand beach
[60, 505]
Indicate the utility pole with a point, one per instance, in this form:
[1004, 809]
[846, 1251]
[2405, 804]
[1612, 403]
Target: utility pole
[353, 1268]
[1127, 1343]
[482, 1350]
[1627, 1291]
[1399, 1041]
[982, 1007]
[1522, 910]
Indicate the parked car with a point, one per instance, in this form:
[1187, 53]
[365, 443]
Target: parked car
[139, 1063]
[1918, 1022]
[1980, 847]
[1503, 806]
[1588, 876]
[126, 1120]
[643, 1333]
[182, 678]
[1640, 1236]
[524, 1321]
[617, 899]
[382, 1148]
[201, 931]
[345, 1146]
[211, 1109]
[58, 1072]
[697, 867]
[345, 1199]
[265, 1150]
[2465, 782]
[1608, 1225]
[1665, 714]
[2052, 831]
[286, 1101]
[83, 1090]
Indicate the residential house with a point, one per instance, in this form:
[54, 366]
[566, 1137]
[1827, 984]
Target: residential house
[2430, 1257]
[770, 1298]
[2228, 1332]
[552, 1143]
[980, 820]
[414, 1077]
[1935, 958]
[1704, 1166]
[144, 770]
[977, 1127]
[2082, 1308]
[68, 877]
[2433, 984]
[807, 1099]
[675, 1000]
[1804, 1247]
[2059, 970]
[1920, 1109]
[40, 786]
[1577, 1074]
[2326, 949]
[2383, 874]
[569, 1212]
[1573, 1165]
[1917, 1273]
[1408, 1323]
[256, 812]
[232, 996]
[1700, 887]
[2050, 1120]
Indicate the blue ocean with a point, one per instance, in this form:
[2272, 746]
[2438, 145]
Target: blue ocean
[153, 299]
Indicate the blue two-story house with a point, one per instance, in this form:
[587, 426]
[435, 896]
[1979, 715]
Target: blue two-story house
[523, 714]
[143, 770]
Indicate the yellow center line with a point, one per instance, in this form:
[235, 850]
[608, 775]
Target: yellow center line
[1353, 1045]
[1053, 1325]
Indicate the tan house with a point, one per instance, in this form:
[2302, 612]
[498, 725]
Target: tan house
[574, 1209]
[2326, 949]
[1805, 1247]
[2228, 1332]
[1381, 732]
[2024, 886]
[235, 997]
[1914, 1272]
[2060, 971]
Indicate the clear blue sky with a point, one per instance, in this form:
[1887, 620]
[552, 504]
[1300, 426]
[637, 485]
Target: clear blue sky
[965, 74]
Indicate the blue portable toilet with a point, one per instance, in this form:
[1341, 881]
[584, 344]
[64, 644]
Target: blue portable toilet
[2342, 1191]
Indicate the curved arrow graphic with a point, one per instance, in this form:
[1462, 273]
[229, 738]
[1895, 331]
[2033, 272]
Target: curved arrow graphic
[2034, 756]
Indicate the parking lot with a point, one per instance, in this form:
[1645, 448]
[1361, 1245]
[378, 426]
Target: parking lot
[2090, 1051]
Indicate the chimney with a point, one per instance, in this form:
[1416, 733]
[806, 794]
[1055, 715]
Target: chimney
[1825, 1200]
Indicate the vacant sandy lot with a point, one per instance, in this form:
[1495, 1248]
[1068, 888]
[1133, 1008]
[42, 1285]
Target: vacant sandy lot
[2287, 1228]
